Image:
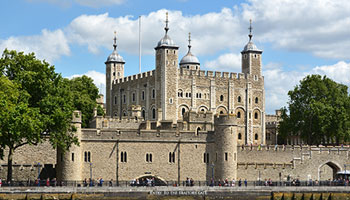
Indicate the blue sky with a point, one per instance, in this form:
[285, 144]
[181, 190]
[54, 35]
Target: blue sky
[298, 37]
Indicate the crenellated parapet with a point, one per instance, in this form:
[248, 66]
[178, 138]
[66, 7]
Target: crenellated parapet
[135, 77]
[212, 74]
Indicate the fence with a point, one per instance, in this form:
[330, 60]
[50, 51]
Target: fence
[145, 183]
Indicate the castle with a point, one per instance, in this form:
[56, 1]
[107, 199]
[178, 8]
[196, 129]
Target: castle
[179, 121]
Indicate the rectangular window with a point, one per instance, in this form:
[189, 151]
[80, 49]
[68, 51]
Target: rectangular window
[89, 157]
[148, 157]
[172, 157]
[206, 157]
[123, 156]
[72, 157]
[143, 95]
[133, 97]
[85, 156]
[124, 98]
[153, 93]
[226, 156]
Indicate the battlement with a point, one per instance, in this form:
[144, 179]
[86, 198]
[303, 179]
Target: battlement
[135, 77]
[193, 116]
[211, 74]
[113, 122]
[225, 119]
[291, 148]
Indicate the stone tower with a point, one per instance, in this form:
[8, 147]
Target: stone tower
[225, 146]
[69, 162]
[252, 68]
[167, 77]
[114, 70]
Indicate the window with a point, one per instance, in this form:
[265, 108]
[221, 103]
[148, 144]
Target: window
[115, 100]
[153, 113]
[221, 112]
[239, 115]
[189, 95]
[167, 51]
[226, 156]
[124, 98]
[148, 157]
[221, 97]
[143, 95]
[180, 93]
[256, 115]
[87, 156]
[256, 136]
[239, 99]
[133, 97]
[198, 129]
[183, 111]
[256, 100]
[113, 73]
[73, 157]
[239, 136]
[206, 157]
[171, 100]
[172, 157]
[143, 114]
[153, 93]
[123, 156]
[118, 74]
[174, 51]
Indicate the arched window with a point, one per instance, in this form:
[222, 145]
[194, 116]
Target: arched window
[239, 136]
[124, 114]
[256, 115]
[153, 93]
[239, 115]
[153, 113]
[183, 111]
[143, 114]
[256, 100]
[143, 95]
[221, 112]
[256, 136]
[221, 97]
[198, 129]
[239, 99]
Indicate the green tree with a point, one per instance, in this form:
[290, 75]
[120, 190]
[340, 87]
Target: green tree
[36, 104]
[84, 94]
[318, 111]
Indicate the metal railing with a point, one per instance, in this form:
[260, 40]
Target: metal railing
[111, 183]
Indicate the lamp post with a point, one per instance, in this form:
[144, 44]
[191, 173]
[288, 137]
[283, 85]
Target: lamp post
[38, 170]
[90, 173]
[212, 173]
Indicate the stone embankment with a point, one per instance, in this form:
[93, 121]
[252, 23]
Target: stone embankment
[208, 193]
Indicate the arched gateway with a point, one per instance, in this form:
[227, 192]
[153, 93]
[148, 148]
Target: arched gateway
[158, 181]
[328, 170]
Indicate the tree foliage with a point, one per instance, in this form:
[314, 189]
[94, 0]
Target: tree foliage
[84, 94]
[36, 104]
[319, 111]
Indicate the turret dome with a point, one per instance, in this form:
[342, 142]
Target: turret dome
[189, 58]
[114, 56]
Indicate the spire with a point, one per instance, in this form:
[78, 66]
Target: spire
[250, 30]
[166, 24]
[115, 40]
[189, 42]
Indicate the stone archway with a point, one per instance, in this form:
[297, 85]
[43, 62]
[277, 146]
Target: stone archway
[328, 170]
[157, 180]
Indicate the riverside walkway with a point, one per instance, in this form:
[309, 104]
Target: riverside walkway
[164, 192]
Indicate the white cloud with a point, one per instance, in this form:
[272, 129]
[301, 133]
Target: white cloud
[49, 45]
[225, 62]
[211, 32]
[316, 26]
[279, 82]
